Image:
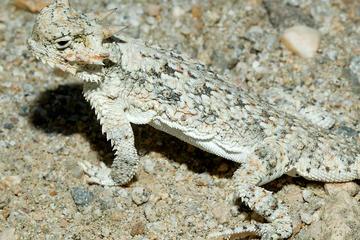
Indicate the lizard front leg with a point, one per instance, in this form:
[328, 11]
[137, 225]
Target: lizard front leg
[118, 130]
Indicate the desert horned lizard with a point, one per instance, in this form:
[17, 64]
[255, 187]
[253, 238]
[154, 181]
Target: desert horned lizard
[127, 81]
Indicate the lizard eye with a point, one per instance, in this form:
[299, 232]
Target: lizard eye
[63, 42]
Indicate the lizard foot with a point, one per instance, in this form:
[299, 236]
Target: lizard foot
[98, 174]
[264, 230]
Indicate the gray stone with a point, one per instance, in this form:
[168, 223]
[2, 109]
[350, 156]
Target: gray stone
[347, 131]
[81, 196]
[8, 126]
[283, 15]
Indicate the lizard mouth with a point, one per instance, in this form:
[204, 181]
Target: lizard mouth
[94, 72]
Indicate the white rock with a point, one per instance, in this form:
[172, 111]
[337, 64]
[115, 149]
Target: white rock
[302, 40]
[149, 166]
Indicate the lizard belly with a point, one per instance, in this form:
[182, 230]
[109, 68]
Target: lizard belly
[206, 142]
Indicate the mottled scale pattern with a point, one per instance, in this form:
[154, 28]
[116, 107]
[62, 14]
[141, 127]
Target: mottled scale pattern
[200, 102]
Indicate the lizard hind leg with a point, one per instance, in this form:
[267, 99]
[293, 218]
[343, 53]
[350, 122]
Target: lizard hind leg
[258, 170]
[263, 202]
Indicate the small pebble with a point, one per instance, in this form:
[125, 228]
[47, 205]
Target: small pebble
[76, 171]
[354, 70]
[156, 227]
[180, 176]
[293, 194]
[14, 120]
[234, 211]
[196, 11]
[117, 215]
[138, 228]
[81, 196]
[203, 179]
[302, 40]
[31, 5]
[107, 203]
[4, 200]
[9, 181]
[122, 192]
[97, 213]
[347, 131]
[254, 33]
[105, 232]
[294, 3]
[28, 88]
[149, 212]
[8, 126]
[332, 55]
[140, 195]
[354, 67]
[307, 217]
[221, 212]
[350, 187]
[149, 166]
[307, 195]
[178, 11]
[24, 111]
[153, 10]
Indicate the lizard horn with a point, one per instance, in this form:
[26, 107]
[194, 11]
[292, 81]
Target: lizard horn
[109, 31]
[62, 3]
[105, 14]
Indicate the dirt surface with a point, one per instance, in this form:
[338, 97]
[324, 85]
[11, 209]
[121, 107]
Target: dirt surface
[180, 192]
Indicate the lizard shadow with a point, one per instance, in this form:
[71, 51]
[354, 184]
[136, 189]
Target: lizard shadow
[65, 111]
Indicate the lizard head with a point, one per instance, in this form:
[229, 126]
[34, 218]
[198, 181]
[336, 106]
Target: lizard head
[69, 40]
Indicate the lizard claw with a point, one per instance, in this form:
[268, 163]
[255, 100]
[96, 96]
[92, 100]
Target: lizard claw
[264, 230]
[98, 174]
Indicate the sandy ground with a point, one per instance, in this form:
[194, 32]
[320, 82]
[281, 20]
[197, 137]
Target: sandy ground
[180, 192]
